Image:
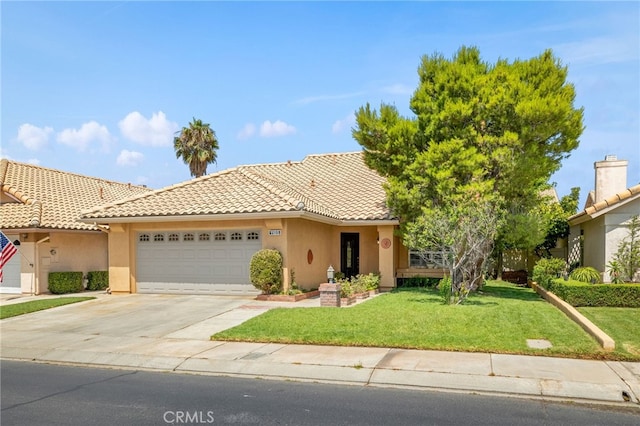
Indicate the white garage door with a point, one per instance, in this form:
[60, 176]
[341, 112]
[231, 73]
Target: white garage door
[196, 262]
[11, 273]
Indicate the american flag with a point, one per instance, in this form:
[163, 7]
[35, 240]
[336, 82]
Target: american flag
[7, 251]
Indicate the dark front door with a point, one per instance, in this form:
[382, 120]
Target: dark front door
[350, 254]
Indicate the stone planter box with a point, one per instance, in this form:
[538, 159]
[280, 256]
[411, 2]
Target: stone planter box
[287, 297]
[364, 295]
[346, 301]
[373, 292]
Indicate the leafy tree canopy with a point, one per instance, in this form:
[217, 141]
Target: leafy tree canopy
[495, 132]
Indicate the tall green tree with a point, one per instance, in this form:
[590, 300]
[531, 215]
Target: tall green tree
[490, 132]
[197, 145]
[557, 215]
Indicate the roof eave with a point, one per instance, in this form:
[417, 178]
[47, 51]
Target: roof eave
[583, 216]
[242, 216]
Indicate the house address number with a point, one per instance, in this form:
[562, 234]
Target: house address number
[274, 232]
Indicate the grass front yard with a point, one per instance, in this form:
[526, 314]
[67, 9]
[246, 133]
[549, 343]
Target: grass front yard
[621, 324]
[499, 320]
[16, 309]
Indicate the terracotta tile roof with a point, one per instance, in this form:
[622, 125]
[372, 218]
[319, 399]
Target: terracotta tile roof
[596, 209]
[338, 186]
[37, 197]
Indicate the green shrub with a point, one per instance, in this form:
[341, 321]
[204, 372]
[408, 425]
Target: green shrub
[445, 290]
[265, 271]
[346, 288]
[578, 293]
[419, 282]
[65, 282]
[97, 280]
[586, 274]
[615, 272]
[362, 283]
[546, 270]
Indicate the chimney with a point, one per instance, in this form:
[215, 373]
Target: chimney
[611, 177]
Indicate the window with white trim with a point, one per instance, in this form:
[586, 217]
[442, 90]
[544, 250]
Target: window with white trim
[220, 236]
[253, 236]
[236, 236]
[188, 237]
[174, 237]
[158, 237]
[204, 236]
[143, 238]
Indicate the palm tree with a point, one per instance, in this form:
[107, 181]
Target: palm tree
[197, 146]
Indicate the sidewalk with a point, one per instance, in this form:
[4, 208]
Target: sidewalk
[188, 351]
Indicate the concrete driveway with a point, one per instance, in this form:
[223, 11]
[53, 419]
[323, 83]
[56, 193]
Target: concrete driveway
[141, 315]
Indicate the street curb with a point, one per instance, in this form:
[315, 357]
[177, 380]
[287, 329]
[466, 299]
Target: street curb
[413, 384]
[603, 338]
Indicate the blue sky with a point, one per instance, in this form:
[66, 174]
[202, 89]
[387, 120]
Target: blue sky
[99, 88]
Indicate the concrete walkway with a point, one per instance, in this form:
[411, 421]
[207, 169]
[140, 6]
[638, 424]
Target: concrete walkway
[171, 333]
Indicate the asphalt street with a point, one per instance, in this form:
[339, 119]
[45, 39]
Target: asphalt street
[45, 394]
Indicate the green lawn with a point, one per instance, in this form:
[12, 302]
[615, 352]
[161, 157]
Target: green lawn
[621, 324]
[500, 320]
[15, 309]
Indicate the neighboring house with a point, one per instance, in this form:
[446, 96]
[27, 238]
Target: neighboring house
[39, 212]
[199, 236]
[596, 232]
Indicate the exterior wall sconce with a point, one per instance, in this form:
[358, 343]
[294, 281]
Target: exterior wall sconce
[53, 252]
[330, 272]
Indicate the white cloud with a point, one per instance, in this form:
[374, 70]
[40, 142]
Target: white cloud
[33, 161]
[340, 125]
[156, 131]
[278, 128]
[247, 131]
[81, 138]
[33, 137]
[129, 158]
[398, 89]
[320, 98]
[602, 50]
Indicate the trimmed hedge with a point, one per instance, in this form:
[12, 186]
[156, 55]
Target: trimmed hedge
[65, 282]
[577, 293]
[97, 280]
[418, 282]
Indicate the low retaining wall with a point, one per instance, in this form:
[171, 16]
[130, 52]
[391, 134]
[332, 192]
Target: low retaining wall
[603, 339]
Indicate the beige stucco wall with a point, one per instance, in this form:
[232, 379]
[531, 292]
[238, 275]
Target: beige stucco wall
[616, 229]
[387, 257]
[594, 243]
[58, 251]
[72, 252]
[297, 237]
[303, 236]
